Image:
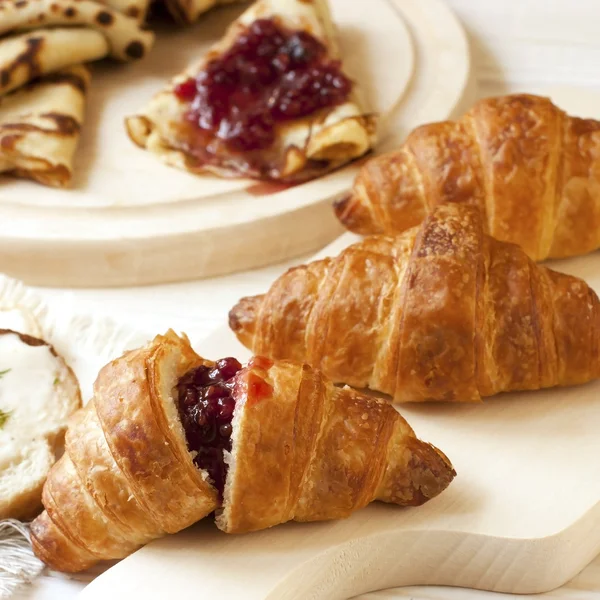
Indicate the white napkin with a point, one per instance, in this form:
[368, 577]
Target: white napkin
[86, 343]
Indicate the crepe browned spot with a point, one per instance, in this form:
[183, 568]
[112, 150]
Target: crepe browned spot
[40, 125]
[136, 9]
[188, 11]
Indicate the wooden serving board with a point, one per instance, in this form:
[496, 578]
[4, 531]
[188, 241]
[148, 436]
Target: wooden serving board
[131, 220]
[522, 516]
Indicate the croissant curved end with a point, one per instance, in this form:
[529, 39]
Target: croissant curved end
[242, 318]
[428, 473]
[353, 215]
[432, 471]
[56, 550]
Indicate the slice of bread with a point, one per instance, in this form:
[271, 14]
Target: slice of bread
[24, 467]
[38, 393]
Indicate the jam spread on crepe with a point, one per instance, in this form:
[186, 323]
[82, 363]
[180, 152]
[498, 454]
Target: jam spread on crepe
[206, 409]
[270, 75]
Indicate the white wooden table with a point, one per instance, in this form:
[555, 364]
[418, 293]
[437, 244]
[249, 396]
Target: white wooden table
[518, 45]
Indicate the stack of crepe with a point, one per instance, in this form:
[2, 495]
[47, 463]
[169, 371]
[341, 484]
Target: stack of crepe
[43, 81]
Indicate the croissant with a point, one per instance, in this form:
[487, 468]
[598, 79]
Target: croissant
[170, 437]
[126, 476]
[533, 171]
[442, 312]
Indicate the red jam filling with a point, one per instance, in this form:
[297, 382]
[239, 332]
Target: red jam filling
[206, 409]
[270, 75]
[258, 389]
[260, 362]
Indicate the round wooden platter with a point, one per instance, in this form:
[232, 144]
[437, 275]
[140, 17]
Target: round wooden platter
[130, 220]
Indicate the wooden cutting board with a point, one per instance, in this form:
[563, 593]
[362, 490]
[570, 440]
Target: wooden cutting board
[131, 220]
[522, 516]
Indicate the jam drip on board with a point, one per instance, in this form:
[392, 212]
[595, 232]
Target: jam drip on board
[206, 409]
[269, 75]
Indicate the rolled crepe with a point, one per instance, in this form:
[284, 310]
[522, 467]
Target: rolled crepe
[136, 9]
[40, 125]
[305, 147]
[126, 39]
[188, 11]
[27, 56]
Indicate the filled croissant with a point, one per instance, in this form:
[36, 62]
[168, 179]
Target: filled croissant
[127, 476]
[532, 170]
[442, 312]
[169, 438]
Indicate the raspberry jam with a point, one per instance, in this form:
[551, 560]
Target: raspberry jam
[260, 362]
[257, 389]
[270, 75]
[206, 410]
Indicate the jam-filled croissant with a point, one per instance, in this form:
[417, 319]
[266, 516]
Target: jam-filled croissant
[442, 312]
[169, 438]
[533, 171]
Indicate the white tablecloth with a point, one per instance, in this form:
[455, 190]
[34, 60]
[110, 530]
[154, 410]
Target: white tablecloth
[518, 45]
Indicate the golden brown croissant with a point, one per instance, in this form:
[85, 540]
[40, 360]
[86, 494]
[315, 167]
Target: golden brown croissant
[127, 476]
[533, 170]
[305, 450]
[441, 312]
[168, 435]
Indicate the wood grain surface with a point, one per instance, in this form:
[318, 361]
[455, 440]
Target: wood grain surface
[131, 220]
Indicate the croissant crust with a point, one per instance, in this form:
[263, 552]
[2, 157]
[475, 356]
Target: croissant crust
[531, 169]
[442, 312]
[305, 450]
[126, 476]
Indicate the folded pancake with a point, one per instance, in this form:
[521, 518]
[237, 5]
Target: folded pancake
[126, 39]
[43, 44]
[40, 125]
[137, 9]
[188, 11]
[30, 55]
[270, 100]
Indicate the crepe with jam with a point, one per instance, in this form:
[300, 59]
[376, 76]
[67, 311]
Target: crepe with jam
[40, 125]
[270, 101]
